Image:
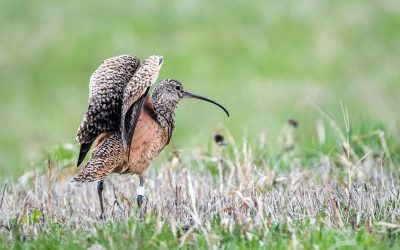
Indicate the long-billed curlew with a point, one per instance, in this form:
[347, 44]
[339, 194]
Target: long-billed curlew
[154, 128]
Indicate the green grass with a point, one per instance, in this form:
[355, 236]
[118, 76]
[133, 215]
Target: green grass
[266, 61]
[133, 235]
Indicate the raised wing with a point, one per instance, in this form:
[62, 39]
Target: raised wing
[134, 95]
[106, 89]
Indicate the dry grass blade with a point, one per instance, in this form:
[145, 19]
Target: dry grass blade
[3, 193]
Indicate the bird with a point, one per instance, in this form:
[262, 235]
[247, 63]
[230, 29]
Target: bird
[155, 125]
[107, 86]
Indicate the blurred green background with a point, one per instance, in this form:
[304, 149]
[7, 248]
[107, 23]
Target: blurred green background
[266, 61]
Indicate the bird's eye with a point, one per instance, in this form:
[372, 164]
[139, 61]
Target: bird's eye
[177, 87]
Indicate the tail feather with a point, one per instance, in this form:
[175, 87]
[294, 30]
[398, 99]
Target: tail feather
[85, 147]
[91, 173]
[106, 157]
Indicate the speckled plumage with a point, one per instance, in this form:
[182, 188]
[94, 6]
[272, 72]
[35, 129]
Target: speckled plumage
[108, 152]
[151, 135]
[107, 86]
[134, 94]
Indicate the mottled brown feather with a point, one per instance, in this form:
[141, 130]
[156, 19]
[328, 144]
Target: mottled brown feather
[106, 88]
[106, 156]
[109, 155]
[144, 77]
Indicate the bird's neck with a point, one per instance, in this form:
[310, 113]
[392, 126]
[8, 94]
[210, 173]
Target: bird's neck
[166, 112]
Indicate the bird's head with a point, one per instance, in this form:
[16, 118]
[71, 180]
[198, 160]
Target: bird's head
[169, 92]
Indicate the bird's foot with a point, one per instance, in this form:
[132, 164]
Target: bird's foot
[102, 216]
[140, 197]
[141, 193]
[139, 200]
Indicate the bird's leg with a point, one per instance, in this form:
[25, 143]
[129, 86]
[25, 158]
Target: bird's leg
[100, 188]
[140, 196]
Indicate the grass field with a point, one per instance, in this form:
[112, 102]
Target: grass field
[329, 66]
[228, 197]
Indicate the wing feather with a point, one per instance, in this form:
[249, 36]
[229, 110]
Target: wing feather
[135, 93]
[106, 89]
[129, 121]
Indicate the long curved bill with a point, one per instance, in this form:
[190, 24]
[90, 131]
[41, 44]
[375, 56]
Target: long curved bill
[190, 95]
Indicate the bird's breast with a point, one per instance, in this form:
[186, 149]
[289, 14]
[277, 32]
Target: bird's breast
[148, 141]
